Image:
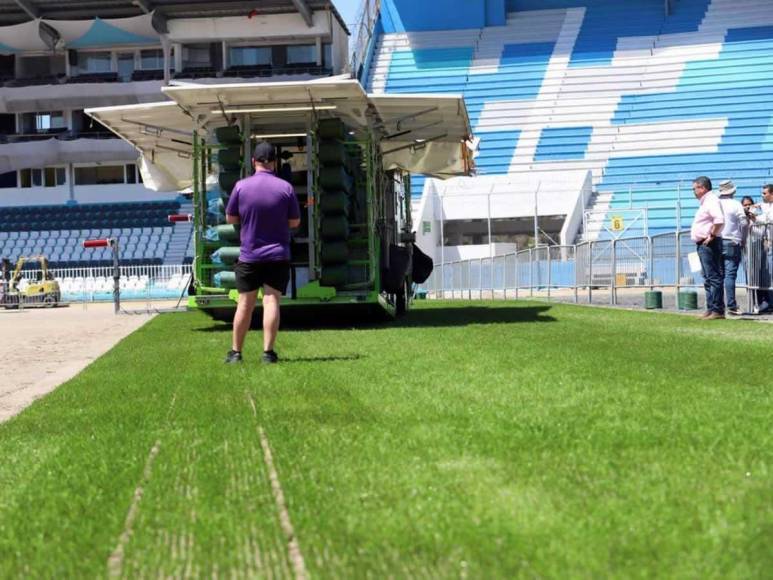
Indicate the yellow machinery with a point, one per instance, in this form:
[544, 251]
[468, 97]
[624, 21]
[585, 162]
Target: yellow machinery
[43, 291]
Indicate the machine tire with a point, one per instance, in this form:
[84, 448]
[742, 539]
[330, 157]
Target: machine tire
[49, 300]
[401, 301]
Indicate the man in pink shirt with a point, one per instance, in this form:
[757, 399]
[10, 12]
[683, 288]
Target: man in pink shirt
[706, 233]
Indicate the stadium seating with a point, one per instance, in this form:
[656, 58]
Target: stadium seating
[142, 229]
[643, 100]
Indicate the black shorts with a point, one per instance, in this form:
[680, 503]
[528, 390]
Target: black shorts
[251, 276]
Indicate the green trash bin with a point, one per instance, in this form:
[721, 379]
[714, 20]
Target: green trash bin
[688, 300]
[653, 300]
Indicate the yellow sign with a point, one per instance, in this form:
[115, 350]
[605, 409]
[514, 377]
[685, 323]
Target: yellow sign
[618, 225]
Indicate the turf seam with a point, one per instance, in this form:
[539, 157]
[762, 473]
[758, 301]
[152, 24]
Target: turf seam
[116, 559]
[293, 546]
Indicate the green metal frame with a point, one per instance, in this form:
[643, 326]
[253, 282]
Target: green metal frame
[208, 296]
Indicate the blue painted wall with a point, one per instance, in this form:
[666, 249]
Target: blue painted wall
[419, 15]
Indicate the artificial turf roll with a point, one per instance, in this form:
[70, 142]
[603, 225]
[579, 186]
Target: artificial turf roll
[230, 159]
[331, 129]
[226, 255]
[227, 180]
[228, 135]
[227, 233]
[334, 202]
[332, 153]
[335, 178]
[216, 211]
[334, 228]
[334, 253]
[333, 276]
[225, 279]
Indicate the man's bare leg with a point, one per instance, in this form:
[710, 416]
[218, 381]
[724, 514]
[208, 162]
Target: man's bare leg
[243, 318]
[270, 317]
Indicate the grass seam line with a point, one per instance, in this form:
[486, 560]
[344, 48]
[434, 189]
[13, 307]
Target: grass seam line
[115, 561]
[293, 547]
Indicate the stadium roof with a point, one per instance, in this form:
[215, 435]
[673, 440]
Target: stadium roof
[18, 11]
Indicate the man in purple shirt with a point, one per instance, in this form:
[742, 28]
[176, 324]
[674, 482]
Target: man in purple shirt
[267, 209]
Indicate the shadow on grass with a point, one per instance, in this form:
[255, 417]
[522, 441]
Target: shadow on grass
[335, 317]
[315, 359]
[465, 316]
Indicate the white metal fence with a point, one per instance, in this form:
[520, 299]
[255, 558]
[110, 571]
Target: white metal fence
[142, 282]
[613, 271]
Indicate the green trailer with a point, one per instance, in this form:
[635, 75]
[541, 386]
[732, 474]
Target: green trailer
[349, 156]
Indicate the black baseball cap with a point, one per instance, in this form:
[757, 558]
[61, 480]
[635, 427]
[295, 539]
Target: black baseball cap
[264, 152]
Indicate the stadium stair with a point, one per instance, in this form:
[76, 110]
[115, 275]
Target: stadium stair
[58, 232]
[644, 101]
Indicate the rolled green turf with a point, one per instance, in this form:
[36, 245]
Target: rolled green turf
[335, 178]
[331, 129]
[230, 159]
[333, 275]
[334, 253]
[227, 232]
[228, 135]
[334, 228]
[332, 153]
[334, 202]
[225, 280]
[228, 254]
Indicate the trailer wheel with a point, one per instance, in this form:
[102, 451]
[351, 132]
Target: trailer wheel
[49, 300]
[401, 300]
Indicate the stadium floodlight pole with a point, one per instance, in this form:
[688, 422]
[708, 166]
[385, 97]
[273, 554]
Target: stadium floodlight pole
[111, 243]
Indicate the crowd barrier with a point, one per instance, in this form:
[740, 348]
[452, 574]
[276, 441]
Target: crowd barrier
[600, 271]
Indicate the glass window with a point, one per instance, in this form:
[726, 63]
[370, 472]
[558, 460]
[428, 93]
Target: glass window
[8, 180]
[196, 56]
[302, 54]
[94, 62]
[152, 59]
[49, 121]
[54, 176]
[327, 55]
[101, 175]
[131, 173]
[31, 177]
[250, 55]
[125, 66]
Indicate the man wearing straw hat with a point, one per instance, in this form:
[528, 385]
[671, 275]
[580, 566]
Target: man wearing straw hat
[706, 232]
[733, 238]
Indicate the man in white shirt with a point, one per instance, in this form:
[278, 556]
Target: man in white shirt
[733, 237]
[706, 232]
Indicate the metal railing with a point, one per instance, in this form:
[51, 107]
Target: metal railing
[363, 35]
[616, 271]
[95, 284]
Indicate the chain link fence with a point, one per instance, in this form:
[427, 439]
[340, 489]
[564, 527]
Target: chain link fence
[616, 272]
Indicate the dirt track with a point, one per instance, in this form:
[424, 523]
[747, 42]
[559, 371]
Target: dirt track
[42, 348]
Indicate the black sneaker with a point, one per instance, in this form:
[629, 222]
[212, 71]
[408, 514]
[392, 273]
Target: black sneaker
[734, 311]
[270, 357]
[233, 357]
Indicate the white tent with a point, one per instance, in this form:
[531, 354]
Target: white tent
[419, 133]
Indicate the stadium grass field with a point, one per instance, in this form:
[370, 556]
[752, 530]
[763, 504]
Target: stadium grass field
[475, 440]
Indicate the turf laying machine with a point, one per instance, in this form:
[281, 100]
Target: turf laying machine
[349, 156]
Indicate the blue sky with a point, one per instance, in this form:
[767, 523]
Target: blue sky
[348, 10]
